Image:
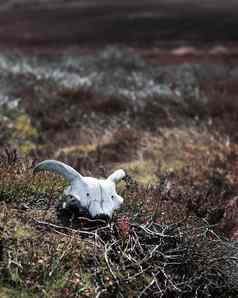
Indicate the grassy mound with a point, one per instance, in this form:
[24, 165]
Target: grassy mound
[148, 248]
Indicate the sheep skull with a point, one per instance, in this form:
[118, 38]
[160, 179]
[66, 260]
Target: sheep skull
[98, 196]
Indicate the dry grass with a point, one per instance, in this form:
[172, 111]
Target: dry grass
[167, 240]
[157, 244]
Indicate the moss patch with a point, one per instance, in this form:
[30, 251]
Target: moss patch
[13, 293]
[142, 171]
[24, 127]
[23, 232]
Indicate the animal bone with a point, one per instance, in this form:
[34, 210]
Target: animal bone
[98, 196]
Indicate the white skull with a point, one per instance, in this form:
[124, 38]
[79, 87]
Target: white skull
[98, 196]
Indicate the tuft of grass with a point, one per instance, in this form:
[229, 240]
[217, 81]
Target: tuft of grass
[142, 171]
[83, 149]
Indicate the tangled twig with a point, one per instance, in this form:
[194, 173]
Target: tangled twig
[163, 260]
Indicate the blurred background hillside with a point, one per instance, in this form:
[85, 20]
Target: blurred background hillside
[75, 75]
[58, 22]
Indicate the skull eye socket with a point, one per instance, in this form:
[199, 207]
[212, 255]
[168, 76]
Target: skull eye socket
[87, 194]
